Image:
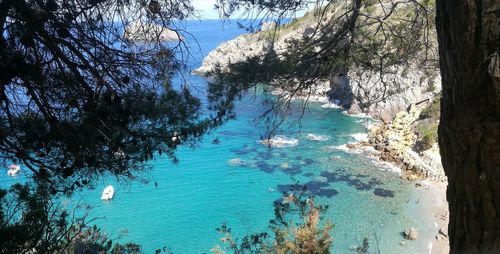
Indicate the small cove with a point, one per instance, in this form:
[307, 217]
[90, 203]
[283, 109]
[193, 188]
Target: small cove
[237, 179]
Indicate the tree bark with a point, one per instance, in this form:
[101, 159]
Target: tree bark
[469, 131]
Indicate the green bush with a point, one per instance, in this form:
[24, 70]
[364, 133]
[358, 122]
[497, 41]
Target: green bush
[431, 111]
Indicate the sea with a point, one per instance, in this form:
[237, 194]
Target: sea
[230, 177]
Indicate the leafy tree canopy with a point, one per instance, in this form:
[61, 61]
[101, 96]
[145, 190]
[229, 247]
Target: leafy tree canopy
[78, 100]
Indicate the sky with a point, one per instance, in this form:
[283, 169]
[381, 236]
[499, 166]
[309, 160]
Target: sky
[206, 8]
[207, 11]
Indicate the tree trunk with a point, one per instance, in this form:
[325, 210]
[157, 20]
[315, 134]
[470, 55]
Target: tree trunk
[469, 131]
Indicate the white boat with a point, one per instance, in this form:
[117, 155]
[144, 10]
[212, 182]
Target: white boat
[108, 193]
[13, 170]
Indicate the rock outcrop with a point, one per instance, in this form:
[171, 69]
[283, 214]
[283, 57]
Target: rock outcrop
[411, 234]
[395, 141]
[230, 52]
[141, 31]
[380, 94]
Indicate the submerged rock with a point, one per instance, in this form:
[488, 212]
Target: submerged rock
[410, 234]
[383, 193]
[236, 162]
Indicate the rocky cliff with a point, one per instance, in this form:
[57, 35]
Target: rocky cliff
[359, 88]
[148, 32]
[396, 93]
[400, 142]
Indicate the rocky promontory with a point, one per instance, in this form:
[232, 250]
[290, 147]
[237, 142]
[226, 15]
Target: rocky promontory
[357, 88]
[147, 32]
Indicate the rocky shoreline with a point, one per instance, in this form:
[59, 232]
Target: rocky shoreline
[395, 141]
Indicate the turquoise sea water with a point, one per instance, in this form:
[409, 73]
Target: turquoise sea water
[207, 187]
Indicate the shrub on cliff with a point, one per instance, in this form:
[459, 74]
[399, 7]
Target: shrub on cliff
[296, 228]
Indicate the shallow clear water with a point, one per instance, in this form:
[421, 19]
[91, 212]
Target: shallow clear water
[206, 189]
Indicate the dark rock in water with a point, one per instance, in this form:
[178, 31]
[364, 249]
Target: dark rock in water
[335, 176]
[308, 161]
[330, 176]
[290, 187]
[361, 175]
[266, 167]
[283, 155]
[244, 150]
[265, 155]
[383, 193]
[309, 174]
[356, 181]
[293, 170]
[326, 193]
[315, 188]
[315, 185]
[359, 185]
[298, 158]
[374, 181]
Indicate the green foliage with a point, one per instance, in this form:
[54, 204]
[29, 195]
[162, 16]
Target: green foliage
[427, 136]
[128, 248]
[431, 111]
[290, 26]
[430, 87]
[88, 240]
[427, 127]
[78, 101]
[296, 229]
[30, 221]
[370, 2]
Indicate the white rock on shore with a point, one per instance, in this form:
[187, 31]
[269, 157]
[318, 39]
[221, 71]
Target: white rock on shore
[411, 234]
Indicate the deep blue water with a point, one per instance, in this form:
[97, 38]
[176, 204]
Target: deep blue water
[206, 188]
